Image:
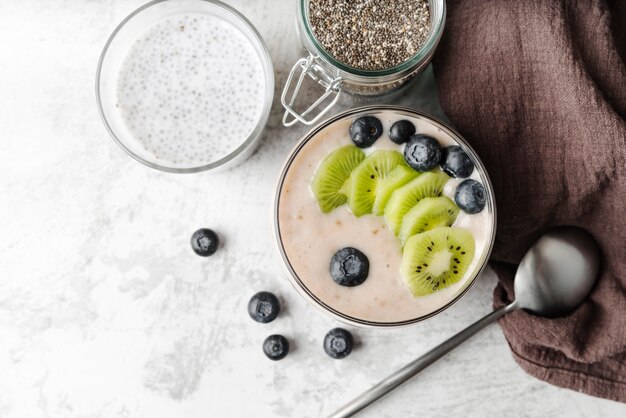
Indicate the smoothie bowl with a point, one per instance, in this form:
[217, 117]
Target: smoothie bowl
[384, 216]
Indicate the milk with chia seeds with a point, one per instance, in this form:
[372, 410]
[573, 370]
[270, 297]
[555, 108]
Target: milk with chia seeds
[191, 89]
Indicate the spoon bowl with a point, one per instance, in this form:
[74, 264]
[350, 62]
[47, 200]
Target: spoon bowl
[558, 272]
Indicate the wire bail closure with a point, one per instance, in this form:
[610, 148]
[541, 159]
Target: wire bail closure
[332, 85]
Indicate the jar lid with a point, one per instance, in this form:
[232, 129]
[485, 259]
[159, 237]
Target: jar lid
[185, 85]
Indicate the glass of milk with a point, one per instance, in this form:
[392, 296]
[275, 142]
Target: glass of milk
[185, 85]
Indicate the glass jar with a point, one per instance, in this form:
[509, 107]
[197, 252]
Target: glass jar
[349, 84]
[115, 52]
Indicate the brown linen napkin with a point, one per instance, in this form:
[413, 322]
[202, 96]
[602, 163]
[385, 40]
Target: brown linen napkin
[539, 90]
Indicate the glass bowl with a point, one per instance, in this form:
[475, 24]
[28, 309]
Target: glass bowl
[306, 238]
[116, 50]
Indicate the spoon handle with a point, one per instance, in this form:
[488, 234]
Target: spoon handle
[399, 377]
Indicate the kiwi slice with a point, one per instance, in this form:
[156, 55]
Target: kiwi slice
[398, 177]
[404, 198]
[365, 178]
[429, 213]
[436, 259]
[330, 184]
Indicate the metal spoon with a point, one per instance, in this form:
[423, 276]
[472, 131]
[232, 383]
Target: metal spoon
[554, 277]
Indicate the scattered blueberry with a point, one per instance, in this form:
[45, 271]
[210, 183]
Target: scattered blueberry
[365, 130]
[349, 267]
[401, 131]
[263, 307]
[470, 196]
[204, 242]
[456, 163]
[423, 153]
[276, 347]
[338, 343]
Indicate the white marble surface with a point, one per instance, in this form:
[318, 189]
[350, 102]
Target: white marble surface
[106, 312]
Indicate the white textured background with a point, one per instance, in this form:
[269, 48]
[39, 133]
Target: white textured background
[106, 312]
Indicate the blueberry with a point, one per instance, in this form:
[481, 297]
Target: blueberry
[401, 131]
[423, 152]
[204, 242]
[263, 307]
[365, 130]
[349, 267]
[338, 343]
[276, 347]
[456, 163]
[470, 196]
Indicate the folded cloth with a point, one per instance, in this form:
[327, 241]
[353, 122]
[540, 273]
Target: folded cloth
[539, 90]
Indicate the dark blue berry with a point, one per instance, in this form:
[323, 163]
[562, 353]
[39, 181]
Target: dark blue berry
[338, 343]
[263, 307]
[204, 242]
[401, 131]
[365, 130]
[276, 347]
[456, 163]
[423, 152]
[349, 267]
[470, 196]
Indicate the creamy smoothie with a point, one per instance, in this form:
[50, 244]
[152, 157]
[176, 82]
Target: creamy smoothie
[310, 238]
[191, 89]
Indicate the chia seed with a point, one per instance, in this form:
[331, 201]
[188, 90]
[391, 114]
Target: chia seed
[370, 34]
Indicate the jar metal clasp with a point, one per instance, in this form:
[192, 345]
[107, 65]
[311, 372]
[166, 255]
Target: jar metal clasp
[332, 86]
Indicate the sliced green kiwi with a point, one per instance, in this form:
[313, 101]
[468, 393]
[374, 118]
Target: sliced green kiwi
[365, 178]
[398, 177]
[404, 198]
[330, 182]
[429, 213]
[436, 259]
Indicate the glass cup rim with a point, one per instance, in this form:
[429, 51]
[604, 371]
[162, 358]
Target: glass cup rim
[423, 53]
[243, 146]
[293, 276]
